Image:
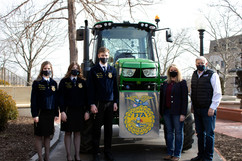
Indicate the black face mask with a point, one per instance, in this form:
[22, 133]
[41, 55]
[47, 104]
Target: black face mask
[103, 60]
[173, 74]
[46, 72]
[75, 72]
[201, 67]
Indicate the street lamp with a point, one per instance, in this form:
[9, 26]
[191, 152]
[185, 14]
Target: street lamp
[200, 25]
[201, 33]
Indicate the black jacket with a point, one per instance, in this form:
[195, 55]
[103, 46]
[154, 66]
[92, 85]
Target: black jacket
[73, 95]
[44, 96]
[179, 98]
[202, 90]
[102, 86]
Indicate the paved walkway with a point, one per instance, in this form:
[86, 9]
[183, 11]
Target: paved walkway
[230, 128]
[226, 127]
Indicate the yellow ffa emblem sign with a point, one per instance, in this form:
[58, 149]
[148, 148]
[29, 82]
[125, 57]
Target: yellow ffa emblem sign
[80, 85]
[139, 119]
[53, 88]
[110, 75]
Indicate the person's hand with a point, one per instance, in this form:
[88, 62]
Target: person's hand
[115, 107]
[36, 119]
[94, 109]
[63, 117]
[182, 118]
[56, 118]
[210, 112]
[86, 116]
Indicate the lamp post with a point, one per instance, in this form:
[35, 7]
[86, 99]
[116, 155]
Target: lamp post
[201, 33]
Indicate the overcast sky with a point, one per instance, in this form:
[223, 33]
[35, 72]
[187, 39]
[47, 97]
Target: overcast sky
[175, 14]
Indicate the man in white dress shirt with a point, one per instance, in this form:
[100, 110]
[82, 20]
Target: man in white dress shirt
[206, 96]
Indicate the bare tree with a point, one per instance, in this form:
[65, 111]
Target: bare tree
[181, 46]
[224, 28]
[234, 7]
[29, 45]
[95, 10]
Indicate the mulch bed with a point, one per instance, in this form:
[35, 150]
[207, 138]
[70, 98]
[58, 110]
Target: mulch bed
[229, 147]
[17, 142]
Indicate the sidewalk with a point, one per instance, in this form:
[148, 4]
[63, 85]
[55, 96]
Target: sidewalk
[226, 127]
[230, 128]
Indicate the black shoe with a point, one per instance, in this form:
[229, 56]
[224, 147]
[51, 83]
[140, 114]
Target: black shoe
[76, 159]
[197, 158]
[96, 158]
[109, 156]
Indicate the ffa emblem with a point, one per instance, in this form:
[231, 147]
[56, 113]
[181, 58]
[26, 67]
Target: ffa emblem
[80, 85]
[139, 118]
[53, 88]
[110, 75]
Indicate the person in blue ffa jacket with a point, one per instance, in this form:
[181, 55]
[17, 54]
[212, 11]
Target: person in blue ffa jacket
[206, 96]
[72, 101]
[44, 108]
[174, 102]
[103, 99]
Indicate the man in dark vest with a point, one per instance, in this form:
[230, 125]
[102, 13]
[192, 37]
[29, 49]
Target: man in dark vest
[206, 96]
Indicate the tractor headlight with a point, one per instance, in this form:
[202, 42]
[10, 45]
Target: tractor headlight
[150, 72]
[127, 72]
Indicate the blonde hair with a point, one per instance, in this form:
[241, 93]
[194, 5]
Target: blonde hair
[41, 69]
[178, 77]
[68, 73]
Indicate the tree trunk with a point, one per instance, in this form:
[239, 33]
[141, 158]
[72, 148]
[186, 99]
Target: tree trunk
[72, 30]
[29, 78]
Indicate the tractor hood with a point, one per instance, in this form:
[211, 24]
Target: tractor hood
[136, 63]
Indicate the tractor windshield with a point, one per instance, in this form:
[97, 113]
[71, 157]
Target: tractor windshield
[127, 42]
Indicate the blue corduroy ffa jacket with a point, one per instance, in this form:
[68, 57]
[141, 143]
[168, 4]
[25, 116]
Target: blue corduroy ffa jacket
[44, 96]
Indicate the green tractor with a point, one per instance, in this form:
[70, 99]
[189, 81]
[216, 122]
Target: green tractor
[134, 54]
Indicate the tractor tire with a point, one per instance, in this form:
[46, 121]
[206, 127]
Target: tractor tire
[188, 132]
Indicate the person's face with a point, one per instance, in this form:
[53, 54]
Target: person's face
[103, 55]
[47, 68]
[173, 69]
[200, 62]
[75, 67]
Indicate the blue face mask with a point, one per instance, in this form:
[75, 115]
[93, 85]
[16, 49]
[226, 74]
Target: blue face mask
[201, 67]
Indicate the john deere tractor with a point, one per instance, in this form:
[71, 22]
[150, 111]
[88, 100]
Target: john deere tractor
[134, 54]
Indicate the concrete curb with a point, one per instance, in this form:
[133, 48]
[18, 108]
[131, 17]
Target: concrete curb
[53, 143]
[219, 154]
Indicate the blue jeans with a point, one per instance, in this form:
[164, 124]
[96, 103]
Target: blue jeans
[205, 126]
[173, 128]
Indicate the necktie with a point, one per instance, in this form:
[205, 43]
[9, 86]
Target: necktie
[74, 81]
[104, 69]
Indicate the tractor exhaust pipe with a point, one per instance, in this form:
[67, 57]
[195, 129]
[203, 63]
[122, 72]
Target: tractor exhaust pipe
[86, 66]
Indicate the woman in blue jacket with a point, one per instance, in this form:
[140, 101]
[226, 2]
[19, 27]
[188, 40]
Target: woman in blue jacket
[73, 101]
[44, 108]
[173, 102]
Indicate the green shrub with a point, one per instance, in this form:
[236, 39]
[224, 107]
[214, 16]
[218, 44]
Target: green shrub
[8, 109]
[2, 82]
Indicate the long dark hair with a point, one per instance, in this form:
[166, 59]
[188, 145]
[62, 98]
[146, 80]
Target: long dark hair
[41, 69]
[68, 73]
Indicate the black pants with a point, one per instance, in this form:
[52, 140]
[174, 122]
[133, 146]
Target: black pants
[103, 117]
